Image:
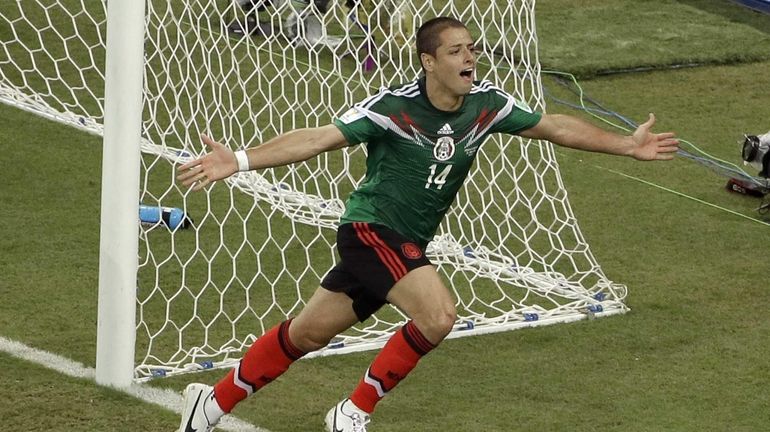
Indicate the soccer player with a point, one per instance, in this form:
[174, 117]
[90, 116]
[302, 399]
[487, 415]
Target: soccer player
[422, 138]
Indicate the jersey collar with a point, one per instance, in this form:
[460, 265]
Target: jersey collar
[421, 83]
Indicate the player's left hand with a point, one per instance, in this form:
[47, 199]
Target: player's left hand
[653, 146]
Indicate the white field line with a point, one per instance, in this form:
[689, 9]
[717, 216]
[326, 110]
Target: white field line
[166, 398]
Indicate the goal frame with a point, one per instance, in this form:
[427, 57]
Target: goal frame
[471, 246]
[119, 232]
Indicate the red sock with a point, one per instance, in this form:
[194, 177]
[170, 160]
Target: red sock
[397, 358]
[267, 358]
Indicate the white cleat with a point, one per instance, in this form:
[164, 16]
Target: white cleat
[194, 416]
[346, 417]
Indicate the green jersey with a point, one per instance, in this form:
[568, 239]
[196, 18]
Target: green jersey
[418, 155]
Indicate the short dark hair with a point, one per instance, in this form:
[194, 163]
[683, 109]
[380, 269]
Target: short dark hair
[427, 35]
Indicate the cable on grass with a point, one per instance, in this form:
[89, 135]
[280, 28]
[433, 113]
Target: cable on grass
[600, 112]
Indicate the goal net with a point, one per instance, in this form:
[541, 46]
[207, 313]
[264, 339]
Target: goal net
[259, 242]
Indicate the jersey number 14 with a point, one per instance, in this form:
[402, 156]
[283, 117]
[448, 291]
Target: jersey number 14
[437, 179]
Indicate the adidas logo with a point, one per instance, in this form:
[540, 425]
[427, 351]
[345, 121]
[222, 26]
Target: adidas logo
[446, 130]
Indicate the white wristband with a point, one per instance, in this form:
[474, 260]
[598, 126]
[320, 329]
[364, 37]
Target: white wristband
[243, 160]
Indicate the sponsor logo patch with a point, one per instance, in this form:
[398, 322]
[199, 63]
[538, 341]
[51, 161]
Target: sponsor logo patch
[411, 250]
[444, 148]
[351, 115]
[522, 105]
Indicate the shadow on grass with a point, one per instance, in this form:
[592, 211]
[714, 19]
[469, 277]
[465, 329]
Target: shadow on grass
[735, 12]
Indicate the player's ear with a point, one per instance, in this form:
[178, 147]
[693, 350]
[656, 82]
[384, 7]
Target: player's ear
[427, 61]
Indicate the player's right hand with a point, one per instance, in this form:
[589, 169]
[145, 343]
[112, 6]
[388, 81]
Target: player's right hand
[215, 165]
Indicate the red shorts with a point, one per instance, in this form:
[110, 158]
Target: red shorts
[372, 259]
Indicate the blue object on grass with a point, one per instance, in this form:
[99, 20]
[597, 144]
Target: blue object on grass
[171, 217]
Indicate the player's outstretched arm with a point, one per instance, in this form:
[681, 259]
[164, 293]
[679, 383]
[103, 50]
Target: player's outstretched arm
[572, 132]
[295, 146]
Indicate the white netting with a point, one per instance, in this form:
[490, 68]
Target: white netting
[260, 242]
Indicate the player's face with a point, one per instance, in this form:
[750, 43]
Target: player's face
[455, 61]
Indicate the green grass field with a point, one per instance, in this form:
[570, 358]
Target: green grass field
[690, 356]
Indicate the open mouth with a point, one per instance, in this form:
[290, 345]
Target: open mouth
[467, 74]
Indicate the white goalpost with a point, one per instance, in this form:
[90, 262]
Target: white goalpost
[199, 276]
[118, 247]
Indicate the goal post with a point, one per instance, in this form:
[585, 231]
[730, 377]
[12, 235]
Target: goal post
[215, 269]
[119, 233]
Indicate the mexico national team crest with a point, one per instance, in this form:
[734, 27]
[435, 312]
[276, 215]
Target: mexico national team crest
[444, 148]
[411, 250]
